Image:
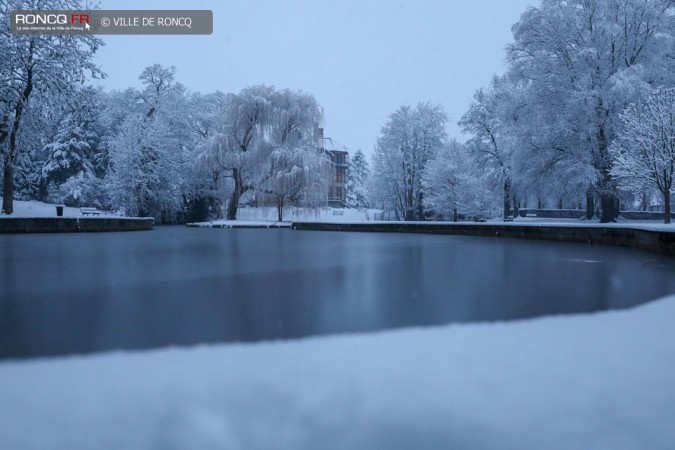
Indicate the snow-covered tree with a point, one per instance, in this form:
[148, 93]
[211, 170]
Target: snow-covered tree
[452, 185]
[492, 122]
[161, 88]
[357, 181]
[297, 174]
[204, 113]
[408, 140]
[297, 169]
[264, 141]
[549, 162]
[146, 176]
[52, 65]
[39, 124]
[236, 147]
[644, 154]
[205, 183]
[149, 157]
[74, 156]
[584, 62]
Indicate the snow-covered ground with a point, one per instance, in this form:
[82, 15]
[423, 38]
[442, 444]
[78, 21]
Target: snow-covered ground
[240, 224]
[655, 225]
[308, 215]
[38, 209]
[264, 216]
[600, 381]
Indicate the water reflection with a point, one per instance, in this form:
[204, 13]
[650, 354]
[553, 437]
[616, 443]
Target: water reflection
[76, 293]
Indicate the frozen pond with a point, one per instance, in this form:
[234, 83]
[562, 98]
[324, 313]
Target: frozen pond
[74, 293]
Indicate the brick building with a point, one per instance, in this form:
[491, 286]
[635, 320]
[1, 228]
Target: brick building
[337, 191]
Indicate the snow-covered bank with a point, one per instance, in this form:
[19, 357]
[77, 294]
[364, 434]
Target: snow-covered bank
[240, 224]
[265, 217]
[652, 225]
[38, 217]
[595, 381]
[39, 209]
[308, 214]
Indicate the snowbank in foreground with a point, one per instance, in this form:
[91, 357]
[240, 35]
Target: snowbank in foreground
[598, 381]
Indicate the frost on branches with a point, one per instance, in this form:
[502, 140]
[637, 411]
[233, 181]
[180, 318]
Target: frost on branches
[75, 157]
[265, 141]
[644, 154]
[48, 65]
[408, 141]
[297, 169]
[492, 122]
[582, 62]
[453, 186]
[149, 155]
[357, 181]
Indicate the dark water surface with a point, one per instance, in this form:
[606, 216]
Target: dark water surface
[76, 293]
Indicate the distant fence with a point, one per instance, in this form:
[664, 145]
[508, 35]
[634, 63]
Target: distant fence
[580, 213]
[644, 215]
[553, 213]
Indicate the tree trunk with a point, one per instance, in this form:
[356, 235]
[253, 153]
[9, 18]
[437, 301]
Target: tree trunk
[280, 208]
[43, 190]
[590, 205]
[8, 182]
[516, 207]
[8, 188]
[420, 208]
[609, 200]
[455, 216]
[507, 198]
[233, 207]
[610, 207]
[666, 204]
[644, 201]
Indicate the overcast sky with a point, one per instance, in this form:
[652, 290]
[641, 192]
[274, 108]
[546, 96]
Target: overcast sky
[361, 59]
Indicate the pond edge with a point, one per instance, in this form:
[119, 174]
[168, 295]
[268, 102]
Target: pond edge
[74, 224]
[654, 240]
